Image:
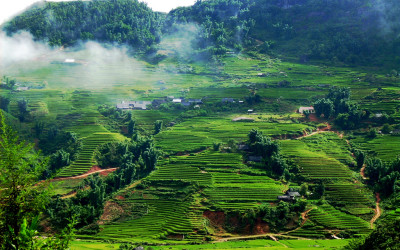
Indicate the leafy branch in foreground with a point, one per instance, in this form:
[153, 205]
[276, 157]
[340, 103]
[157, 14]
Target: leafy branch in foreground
[22, 196]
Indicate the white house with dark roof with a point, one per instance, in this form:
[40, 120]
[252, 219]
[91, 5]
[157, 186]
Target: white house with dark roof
[309, 109]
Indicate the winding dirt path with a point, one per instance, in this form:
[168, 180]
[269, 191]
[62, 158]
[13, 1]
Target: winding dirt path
[378, 211]
[305, 217]
[90, 172]
[362, 172]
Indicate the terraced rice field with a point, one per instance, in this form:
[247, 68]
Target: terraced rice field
[85, 159]
[318, 157]
[385, 147]
[220, 173]
[329, 217]
[93, 135]
[163, 218]
[348, 193]
[198, 133]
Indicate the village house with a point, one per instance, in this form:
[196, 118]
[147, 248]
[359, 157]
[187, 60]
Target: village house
[255, 158]
[230, 100]
[140, 105]
[309, 109]
[177, 100]
[22, 88]
[290, 195]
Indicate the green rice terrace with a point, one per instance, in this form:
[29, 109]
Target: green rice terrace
[265, 145]
[197, 189]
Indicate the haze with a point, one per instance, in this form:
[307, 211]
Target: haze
[9, 8]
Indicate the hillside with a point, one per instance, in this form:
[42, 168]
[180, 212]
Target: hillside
[187, 129]
[351, 32]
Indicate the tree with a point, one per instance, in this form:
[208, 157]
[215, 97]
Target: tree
[325, 107]
[158, 126]
[386, 129]
[372, 133]
[360, 157]
[4, 102]
[303, 189]
[22, 198]
[384, 236]
[131, 126]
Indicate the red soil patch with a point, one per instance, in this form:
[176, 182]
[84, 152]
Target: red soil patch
[216, 218]
[119, 197]
[260, 227]
[111, 211]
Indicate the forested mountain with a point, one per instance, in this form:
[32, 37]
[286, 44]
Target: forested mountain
[362, 31]
[63, 23]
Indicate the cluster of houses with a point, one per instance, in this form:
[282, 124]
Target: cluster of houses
[143, 105]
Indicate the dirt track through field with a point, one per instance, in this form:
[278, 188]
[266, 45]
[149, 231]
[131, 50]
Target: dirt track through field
[362, 172]
[378, 211]
[90, 172]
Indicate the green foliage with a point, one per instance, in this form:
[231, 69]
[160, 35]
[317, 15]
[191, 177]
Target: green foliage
[4, 103]
[385, 236]
[121, 21]
[279, 216]
[383, 176]
[325, 107]
[8, 83]
[158, 126]
[22, 198]
[224, 24]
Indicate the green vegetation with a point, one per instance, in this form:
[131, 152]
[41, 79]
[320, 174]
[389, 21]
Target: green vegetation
[218, 149]
[95, 20]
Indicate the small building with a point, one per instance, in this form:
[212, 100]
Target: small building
[243, 119]
[186, 104]
[243, 147]
[69, 60]
[261, 75]
[230, 100]
[123, 106]
[22, 88]
[140, 105]
[255, 158]
[196, 101]
[177, 100]
[250, 111]
[158, 102]
[289, 196]
[309, 109]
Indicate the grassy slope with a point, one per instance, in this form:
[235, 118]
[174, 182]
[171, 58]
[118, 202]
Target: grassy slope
[222, 186]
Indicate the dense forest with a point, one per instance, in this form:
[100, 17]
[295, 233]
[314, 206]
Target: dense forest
[123, 22]
[339, 31]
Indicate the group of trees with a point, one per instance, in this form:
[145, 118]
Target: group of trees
[279, 216]
[384, 176]
[62, 149]
[269, 150]
[227, 25]
[337, 104]
[224, 24]
[7, 83]
[64, 23]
